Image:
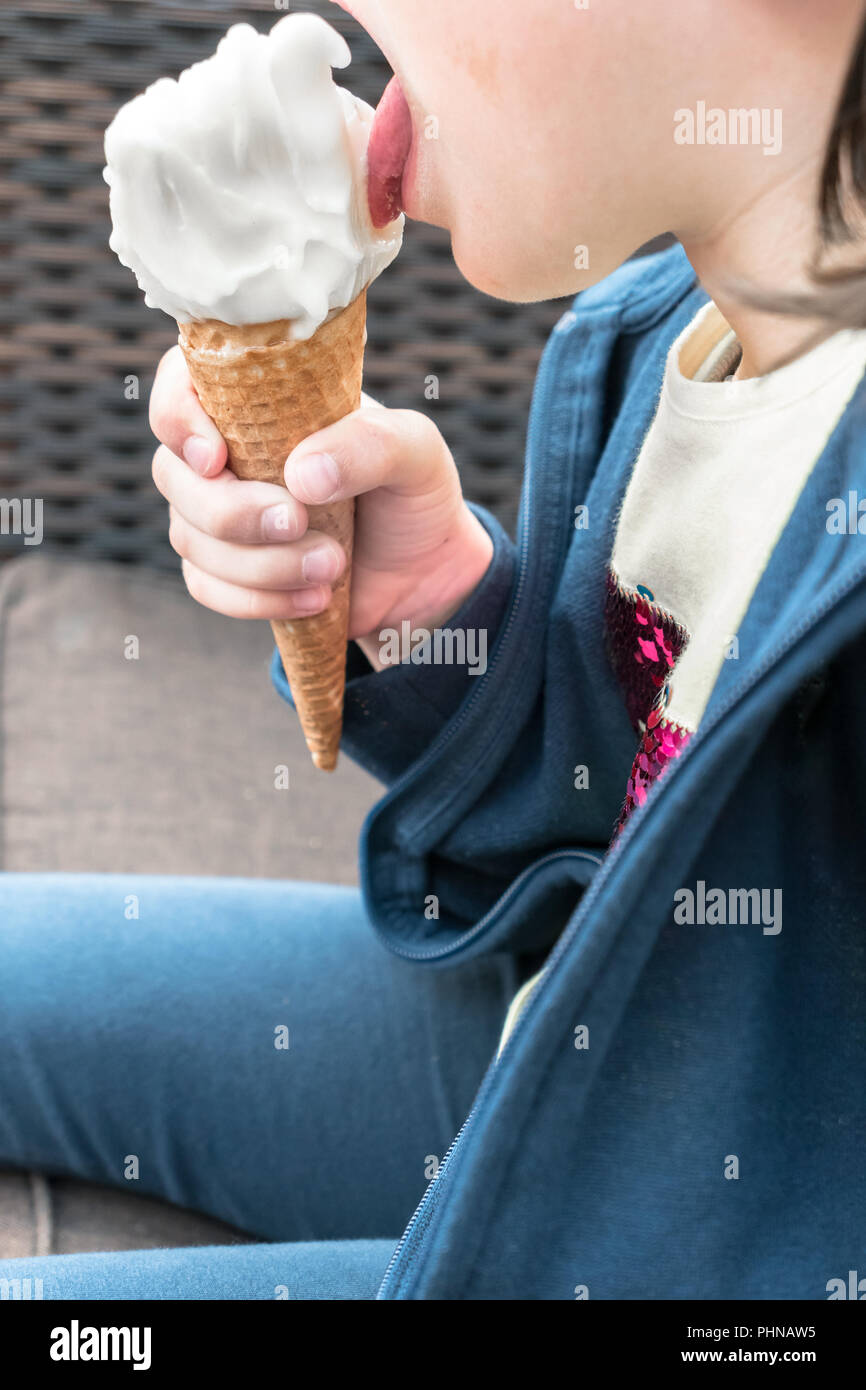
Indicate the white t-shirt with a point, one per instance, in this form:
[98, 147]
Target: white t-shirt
[717, 478]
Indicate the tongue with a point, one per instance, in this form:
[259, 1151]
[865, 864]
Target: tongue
[387, 152]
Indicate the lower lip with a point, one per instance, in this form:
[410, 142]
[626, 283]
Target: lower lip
[388, 153]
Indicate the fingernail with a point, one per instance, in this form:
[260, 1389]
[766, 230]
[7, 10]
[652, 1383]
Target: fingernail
[320, 566]
[317, 476]
[277, 523]
[310, 600]
[198, 453]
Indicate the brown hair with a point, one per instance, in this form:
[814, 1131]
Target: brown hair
[840, 293]
[844, 169]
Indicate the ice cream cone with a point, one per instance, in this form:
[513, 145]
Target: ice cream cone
[266, 391]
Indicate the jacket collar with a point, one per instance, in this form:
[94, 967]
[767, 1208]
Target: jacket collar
[812, 568]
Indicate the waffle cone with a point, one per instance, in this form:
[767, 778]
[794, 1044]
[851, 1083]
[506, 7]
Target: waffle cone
[266, 391]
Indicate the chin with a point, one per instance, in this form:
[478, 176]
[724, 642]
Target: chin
[497, 271]
[504, 271]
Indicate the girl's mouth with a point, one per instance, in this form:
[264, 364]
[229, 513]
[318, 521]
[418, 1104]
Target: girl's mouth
[387, 153]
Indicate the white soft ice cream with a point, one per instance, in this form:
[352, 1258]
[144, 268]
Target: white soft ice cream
[238, 192]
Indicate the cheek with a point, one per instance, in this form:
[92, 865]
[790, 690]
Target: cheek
[511, 226]
[508, 178]
[519, 164]
[543, 217]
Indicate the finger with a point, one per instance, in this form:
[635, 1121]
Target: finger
[249, 513]
[178, 419]
[310, 562]
[372, 447]
[237, 602]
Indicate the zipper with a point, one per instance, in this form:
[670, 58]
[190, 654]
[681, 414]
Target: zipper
[417, 1212]
[609, 865]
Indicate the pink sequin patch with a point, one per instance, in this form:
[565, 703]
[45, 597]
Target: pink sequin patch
[644, 642]
[660, 744]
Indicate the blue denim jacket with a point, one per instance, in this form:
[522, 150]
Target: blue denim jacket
[680, 1111]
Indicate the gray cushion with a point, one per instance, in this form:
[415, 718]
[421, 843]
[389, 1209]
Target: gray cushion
[164, 764]
[45, 1216]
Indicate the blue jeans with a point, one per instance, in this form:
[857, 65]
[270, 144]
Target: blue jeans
[245, 1048]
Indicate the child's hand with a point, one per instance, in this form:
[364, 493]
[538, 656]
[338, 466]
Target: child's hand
[246, 550]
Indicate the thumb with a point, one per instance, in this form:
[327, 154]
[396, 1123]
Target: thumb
[373, 447]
